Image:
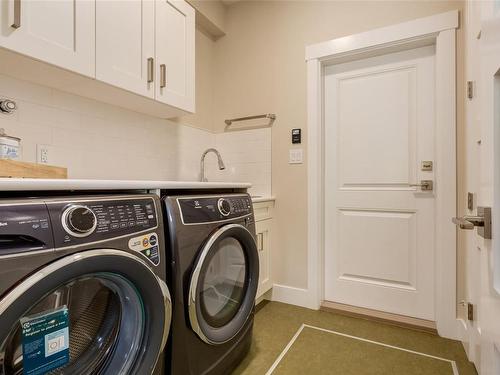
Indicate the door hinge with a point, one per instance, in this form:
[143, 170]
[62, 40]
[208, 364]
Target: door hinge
[470, 311]
[470, 201]
[470, 89]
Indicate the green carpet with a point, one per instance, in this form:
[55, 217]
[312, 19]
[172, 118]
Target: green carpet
[320, 352]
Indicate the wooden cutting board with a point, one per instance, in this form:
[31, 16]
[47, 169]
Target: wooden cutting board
[21, 169]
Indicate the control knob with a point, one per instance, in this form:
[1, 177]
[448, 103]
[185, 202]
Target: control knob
[224, 207]
[79, 221]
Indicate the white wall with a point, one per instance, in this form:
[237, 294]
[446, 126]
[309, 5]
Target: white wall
[96, 140]
[260, 68]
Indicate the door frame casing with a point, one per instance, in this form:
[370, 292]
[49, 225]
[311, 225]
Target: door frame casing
[440, 30]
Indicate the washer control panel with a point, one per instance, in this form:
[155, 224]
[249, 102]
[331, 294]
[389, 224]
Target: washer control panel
[199, 210]
[24, 227]
[79, 221]
[88, 221]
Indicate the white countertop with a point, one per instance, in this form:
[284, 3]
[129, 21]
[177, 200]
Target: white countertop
[258, 199]
[29, 184]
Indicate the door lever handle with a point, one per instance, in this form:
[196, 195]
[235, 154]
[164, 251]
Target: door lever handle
[468, 222]
[425, 185]
[482, 221]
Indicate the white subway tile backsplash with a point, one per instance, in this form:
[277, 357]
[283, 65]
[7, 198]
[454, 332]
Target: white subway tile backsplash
[26, 91]
[247, 155]
[97, 140]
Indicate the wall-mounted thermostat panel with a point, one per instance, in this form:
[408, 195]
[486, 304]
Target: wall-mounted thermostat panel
[296, 136]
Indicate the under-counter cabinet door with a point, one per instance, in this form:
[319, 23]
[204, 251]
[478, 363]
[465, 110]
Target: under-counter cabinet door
[263, 229]
[59, 32]
[174, 65]
[125, 44]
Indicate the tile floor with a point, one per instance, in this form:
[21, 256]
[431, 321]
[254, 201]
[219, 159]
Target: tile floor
[331, 343]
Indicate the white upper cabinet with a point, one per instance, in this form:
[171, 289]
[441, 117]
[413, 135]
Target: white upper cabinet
[175, 53]
[137, 54]
[125, 44]
[59, 32]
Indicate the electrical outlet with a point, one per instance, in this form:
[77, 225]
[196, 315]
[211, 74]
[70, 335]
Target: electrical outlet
[43, 154]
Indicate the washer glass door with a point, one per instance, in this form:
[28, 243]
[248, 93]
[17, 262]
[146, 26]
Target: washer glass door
[223, 284]
[105, 310]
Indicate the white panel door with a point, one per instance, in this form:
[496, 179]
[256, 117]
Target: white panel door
[124, 43]
[482, 163]
[175, 72]
[59, 32]
[379, 230]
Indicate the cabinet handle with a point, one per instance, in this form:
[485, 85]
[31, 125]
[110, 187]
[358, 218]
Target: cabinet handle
[260, 241]
[163, 75]
[17, 14]
[151, 67]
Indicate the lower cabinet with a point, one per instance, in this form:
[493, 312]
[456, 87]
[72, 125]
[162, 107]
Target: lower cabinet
[263, 228]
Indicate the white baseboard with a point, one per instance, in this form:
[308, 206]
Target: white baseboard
[293, 296]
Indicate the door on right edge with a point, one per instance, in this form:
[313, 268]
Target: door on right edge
[379, 210]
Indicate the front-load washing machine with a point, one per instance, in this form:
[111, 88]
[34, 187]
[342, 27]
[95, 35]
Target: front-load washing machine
[213, 279]
[82, 285]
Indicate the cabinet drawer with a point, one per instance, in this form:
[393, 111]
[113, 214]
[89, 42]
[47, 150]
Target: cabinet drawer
[263, 210]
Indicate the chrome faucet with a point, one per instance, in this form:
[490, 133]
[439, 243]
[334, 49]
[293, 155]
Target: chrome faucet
[202, 163]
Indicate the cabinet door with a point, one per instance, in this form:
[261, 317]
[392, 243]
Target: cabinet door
[263, 229]
[125, 44]
[59, 32]
[175, 69]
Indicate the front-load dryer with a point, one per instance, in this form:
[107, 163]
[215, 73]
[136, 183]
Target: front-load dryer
[214, 277]
[82, 286]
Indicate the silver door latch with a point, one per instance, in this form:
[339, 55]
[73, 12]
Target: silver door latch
[482, 221]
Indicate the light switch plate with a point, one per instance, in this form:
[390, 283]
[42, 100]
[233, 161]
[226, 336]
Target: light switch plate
[296, 156]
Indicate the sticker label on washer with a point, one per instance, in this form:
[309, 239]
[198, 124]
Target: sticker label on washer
[45, 340]
[147, 245]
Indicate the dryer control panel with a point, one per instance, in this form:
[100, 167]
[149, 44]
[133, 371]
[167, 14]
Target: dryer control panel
[85, 221]
[199, 210]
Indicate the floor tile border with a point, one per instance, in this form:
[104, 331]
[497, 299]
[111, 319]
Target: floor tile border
[299, 331]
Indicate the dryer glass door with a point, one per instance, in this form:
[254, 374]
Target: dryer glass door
[80, 315]
[223, 284]
[223, 280]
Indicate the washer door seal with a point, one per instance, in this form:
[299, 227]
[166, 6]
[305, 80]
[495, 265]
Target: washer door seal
[233, 286]
[125, 273]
